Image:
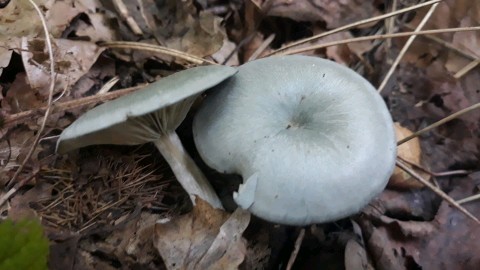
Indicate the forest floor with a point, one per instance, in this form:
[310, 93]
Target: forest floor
[120, 207]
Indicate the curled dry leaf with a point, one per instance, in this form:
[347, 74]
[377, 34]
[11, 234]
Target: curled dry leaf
[18, 19]
[5, 55]
[411, 152]
[61, 14]
[205, 238]
[356, 257]
[449, 241]
[20, 96]
[73, 60]
[14, 146]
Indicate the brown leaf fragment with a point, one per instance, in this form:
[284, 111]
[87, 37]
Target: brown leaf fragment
[19, 19]
[72, 60]
[178, 25]
[229, 248]
[20, 96]
[98, 29]
[5, 56]
[410, 152]
[224, 53]
[20, 204]
[62, 254]
[356, 257]
[13, 150]
[355, 252]
[450, 241]
[206, 238]
[334, 13]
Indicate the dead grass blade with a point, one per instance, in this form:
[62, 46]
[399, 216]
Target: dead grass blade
[11, 120]
[436, 190]
[440, 122]
[382, 36]
[352, 25]
[157, 49]
[12, 191]
[406, 47]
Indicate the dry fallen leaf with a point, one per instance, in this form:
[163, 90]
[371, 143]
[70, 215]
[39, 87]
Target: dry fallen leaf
[72, 60]
[205, 238]
[174, 24]
[334, 13]
[19, 19]
[356, 257]
[20, 204]
[449, 241]
[411, 152]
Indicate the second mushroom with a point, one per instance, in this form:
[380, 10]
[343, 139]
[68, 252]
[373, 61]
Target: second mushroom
[152, 115]
[312, 139]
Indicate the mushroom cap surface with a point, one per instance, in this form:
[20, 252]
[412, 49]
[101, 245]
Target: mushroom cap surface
[142, 116]
[312, 139]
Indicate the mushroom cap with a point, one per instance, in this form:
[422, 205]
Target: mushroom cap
[312, 139]
[144, 115]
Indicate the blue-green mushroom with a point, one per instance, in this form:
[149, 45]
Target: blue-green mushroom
[152, 115]
[312, 139]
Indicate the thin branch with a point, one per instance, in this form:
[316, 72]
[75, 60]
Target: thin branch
[11, 120]
[382, 36]
[261, 48]
[296, 249]
[469, 199]
[434, 174]
[355, 24]
[406, 47]
[447, 45]
[436, 190]
[49, 102]
[440, 122]
[158, 49]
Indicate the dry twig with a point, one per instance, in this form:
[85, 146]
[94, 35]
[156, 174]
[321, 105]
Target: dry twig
[47, 111]
[436, 190]
[352, 25]
[440, 122]
[157, 49]
[407, 46]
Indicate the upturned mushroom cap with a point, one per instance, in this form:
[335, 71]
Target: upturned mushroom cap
[152, 115]
[312, 139]
[140, 117]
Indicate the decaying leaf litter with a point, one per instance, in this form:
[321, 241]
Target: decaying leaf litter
[90, 200]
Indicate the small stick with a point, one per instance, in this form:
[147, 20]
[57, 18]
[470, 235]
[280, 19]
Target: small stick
[382, 36]
[123, 10]
[158, 49]
[466, 69]
[406, 47]
[440, 122]
[447, 45]
[11, 120]
[348, 26]
[469, 199]
[436, 190]
[261, 48]
[49, 102]
[296, 249]
[435, 174]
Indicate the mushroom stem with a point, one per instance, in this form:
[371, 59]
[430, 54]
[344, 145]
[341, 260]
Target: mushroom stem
[186, 171]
